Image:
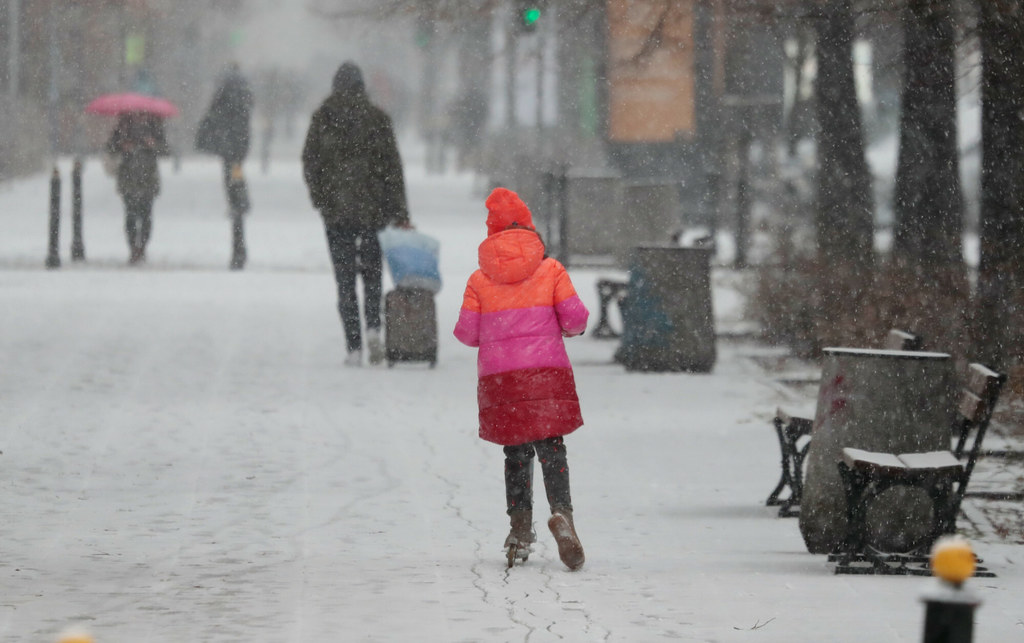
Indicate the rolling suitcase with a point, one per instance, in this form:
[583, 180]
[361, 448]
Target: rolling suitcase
[410, 326]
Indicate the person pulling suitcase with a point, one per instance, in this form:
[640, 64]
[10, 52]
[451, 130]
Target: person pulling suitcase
[353, 170]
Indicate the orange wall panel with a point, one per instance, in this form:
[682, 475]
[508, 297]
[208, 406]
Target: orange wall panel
[651, 70]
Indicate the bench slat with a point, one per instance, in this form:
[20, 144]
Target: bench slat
[873, 460]
[931, 460]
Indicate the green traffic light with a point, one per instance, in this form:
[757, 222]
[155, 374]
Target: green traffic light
[531, 15]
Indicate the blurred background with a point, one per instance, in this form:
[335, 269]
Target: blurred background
[844, 133]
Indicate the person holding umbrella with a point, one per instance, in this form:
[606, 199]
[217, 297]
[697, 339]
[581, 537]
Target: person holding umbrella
[137, 141]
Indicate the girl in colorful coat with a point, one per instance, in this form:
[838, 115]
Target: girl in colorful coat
[517, 308]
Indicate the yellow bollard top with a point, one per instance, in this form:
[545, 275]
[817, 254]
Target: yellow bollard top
[953, 559]
[75, 636]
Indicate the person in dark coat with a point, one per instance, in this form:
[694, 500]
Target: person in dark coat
[225, 131]
[137, 140]
[354, 174]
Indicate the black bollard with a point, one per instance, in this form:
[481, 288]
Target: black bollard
[949, 606]
[77, 246]
[53, 256]
[948, 621]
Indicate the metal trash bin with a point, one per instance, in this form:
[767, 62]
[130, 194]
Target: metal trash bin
[668, 321]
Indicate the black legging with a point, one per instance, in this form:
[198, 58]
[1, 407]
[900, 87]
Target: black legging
[138, 221]
[519, 474]
[356, 252]
[238, 204]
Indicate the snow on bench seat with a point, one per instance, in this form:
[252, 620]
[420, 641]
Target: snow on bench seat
[861, 459]
[888, 462]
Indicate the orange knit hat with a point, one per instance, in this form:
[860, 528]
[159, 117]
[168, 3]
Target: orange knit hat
[504, 210]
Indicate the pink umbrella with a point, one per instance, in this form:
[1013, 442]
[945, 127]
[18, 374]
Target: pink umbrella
[116, 104]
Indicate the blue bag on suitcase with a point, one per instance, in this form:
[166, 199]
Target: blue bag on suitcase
[412, 258]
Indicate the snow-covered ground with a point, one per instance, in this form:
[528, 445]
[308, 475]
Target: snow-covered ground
[186, 459]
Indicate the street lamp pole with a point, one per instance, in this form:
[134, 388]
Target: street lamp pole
[541, 43]
[13, 50]
[511, 38]
[8, 131]
[54, 72]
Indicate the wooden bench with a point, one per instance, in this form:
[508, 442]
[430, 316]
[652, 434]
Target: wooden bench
[794, 435]
[608, 291]
[942, 475]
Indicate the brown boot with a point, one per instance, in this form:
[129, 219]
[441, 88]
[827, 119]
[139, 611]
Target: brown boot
[570, 550]
[521, 537]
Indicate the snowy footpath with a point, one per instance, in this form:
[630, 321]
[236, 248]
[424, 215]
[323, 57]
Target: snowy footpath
[185, 459]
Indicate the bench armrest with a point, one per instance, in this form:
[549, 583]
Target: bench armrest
[793, 425]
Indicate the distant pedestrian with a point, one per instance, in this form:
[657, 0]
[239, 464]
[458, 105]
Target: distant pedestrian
[136, 142]
[517, 308]
[354, 174]
[225, 131]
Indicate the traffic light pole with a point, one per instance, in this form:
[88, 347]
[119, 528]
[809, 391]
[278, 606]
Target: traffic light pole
[511, 38]
[540, 87]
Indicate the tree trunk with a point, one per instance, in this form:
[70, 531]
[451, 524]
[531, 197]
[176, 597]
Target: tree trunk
[928, 203]
[844, 217]
[1001, 272]
[845, 223]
